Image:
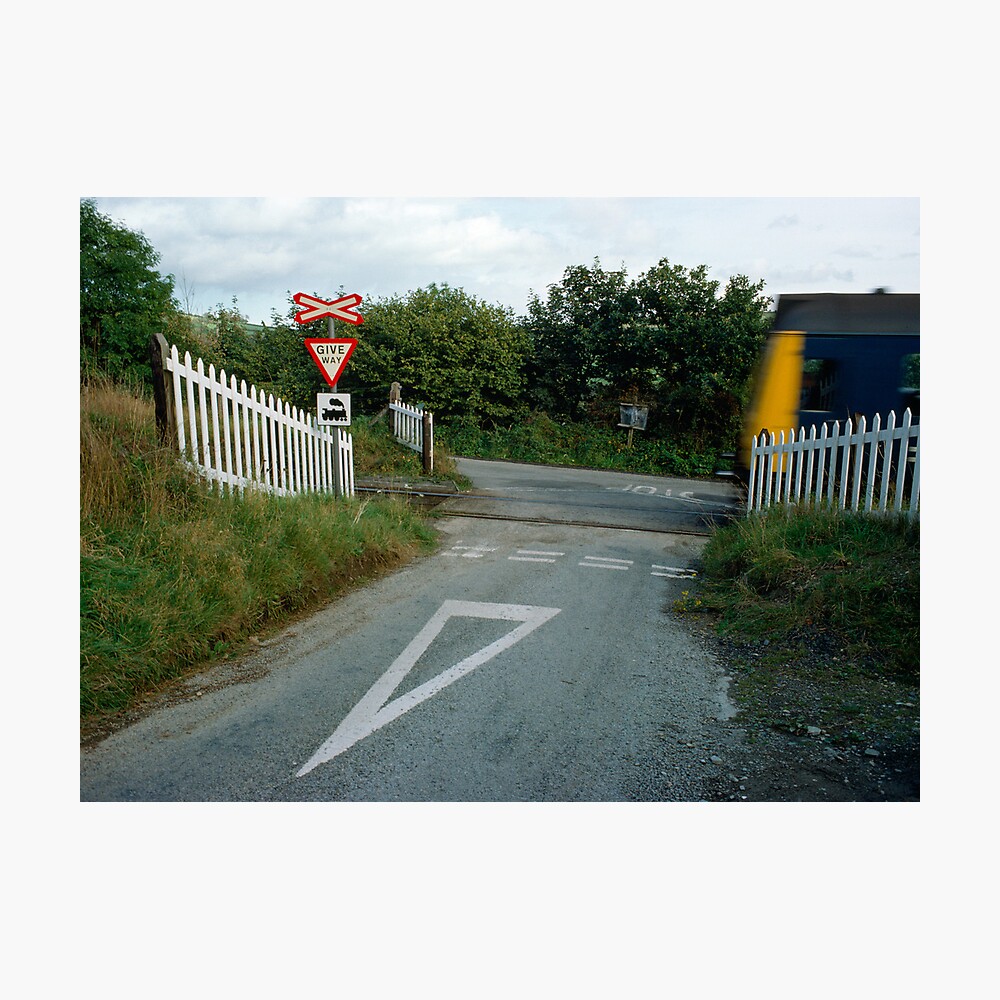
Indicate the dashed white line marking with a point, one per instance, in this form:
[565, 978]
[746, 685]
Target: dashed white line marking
[549, 557]
[604, 562]
[469, 551]
[533, 555]
[674, 572]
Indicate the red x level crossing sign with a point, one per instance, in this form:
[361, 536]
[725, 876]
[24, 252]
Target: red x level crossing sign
[315, 308]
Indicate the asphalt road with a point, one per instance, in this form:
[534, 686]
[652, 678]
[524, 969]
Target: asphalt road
[587, 496]
[523, 661]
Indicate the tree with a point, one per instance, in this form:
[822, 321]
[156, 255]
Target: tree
[272, 357]
[123, 297]
[583, 339]
[455, 354]
[668, 338]
[704, 344]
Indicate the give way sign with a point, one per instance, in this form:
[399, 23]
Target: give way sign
[331, 356]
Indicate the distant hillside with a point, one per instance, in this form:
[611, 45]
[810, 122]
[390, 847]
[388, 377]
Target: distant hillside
[203, 327]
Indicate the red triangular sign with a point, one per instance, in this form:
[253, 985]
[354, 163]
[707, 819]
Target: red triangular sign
[331, 356]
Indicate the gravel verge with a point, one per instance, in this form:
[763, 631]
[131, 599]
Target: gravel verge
[812, 724]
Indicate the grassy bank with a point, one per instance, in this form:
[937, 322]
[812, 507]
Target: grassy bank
[172, 573]
[378, 456]
[539, 438]
[820, 613]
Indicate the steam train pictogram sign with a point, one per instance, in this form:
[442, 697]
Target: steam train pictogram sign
[333, 409]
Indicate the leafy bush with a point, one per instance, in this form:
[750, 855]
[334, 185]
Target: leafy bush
[451, 352]
[539, 438]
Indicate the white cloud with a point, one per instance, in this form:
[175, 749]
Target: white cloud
[500, 249]
[815, 276]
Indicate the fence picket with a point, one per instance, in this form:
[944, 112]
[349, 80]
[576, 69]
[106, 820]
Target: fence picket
[830, 465]
[845, 462]
[889, 439]
[873, 452]
[915, 483]
[287, 450]
[799, 459]
[174, 366]
[224, 401]
[901, 463]
[237, 434]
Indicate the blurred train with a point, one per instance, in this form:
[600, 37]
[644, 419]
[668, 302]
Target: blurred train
[831, 357]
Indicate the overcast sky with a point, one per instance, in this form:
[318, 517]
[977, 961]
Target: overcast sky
[501, 249]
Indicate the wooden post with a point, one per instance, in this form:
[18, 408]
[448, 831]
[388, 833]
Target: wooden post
[163, 396]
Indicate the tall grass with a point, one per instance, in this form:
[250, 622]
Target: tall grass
[173, 572]
[854, 574]
[378, 455]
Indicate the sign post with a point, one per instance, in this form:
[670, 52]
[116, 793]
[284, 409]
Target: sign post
[331, 355]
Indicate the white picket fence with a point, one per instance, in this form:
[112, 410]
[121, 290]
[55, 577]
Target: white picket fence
[235, 436]
[856, 469]
[413, 427]
[407, 425]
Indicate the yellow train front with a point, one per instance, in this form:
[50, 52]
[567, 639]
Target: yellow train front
[832, 357]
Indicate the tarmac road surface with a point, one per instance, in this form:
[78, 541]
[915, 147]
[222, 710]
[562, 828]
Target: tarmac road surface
[523, 661]
[589, 496]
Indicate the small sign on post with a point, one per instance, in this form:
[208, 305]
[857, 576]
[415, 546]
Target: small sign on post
[333, 409]
[633, 416]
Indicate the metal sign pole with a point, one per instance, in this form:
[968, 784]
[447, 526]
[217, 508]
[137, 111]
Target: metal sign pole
[338, 473]
[329, 328]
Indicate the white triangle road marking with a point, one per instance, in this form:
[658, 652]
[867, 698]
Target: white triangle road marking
[374, 710]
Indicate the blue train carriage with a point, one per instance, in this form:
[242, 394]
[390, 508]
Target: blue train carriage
[831, 357]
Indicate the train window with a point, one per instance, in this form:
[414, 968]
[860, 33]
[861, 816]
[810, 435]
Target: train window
[909, 372]
[909, 384]
[819, 384]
